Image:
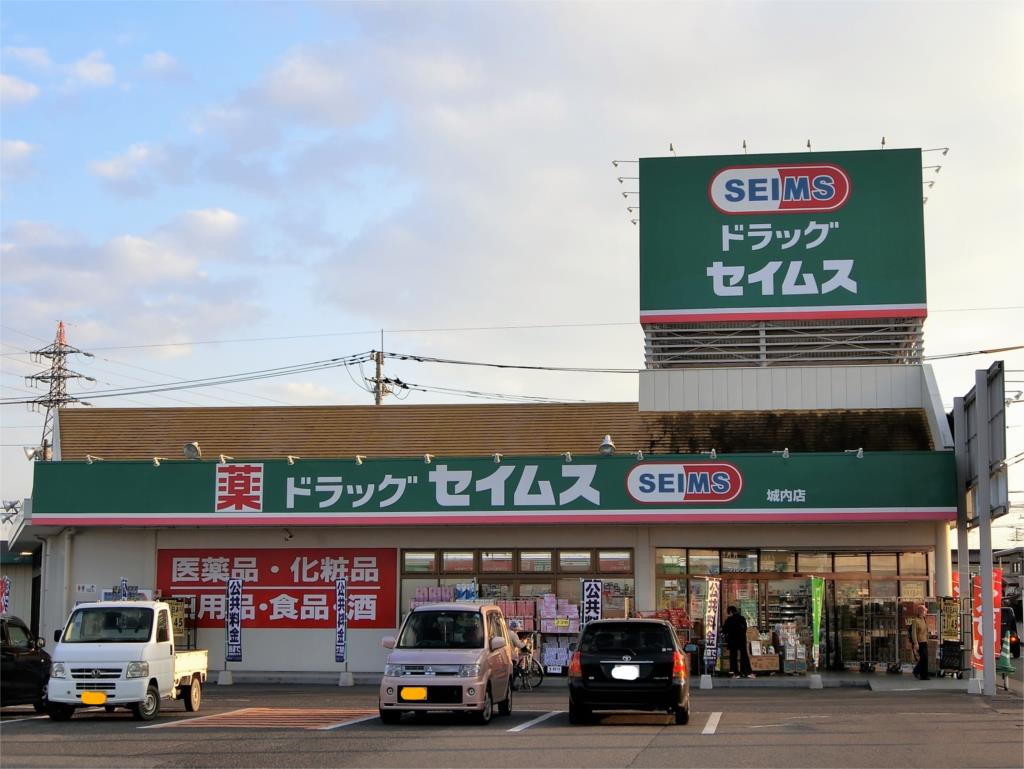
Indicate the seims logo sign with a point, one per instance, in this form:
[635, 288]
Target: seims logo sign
[661, 483]
[783, 189]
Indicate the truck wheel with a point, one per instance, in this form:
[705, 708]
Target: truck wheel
[149, 708]
[193, 695]
[58, 712]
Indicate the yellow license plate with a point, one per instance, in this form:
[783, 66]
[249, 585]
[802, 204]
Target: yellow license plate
[413, 693]
[94, 698]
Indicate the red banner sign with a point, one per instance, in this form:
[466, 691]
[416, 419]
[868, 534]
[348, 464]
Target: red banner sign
[285, 588]
[977, 660]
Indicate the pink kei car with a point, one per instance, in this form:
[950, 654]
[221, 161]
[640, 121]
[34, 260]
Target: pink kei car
[448, 656]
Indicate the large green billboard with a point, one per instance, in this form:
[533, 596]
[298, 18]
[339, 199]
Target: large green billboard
[761, 488]
[782, 237]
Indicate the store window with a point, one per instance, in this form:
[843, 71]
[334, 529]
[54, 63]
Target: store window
[534, 589]
[458, 562]
[914, 564]
[883, 563]
[703, 561]
[913, 589]
[852, 562]
[814, 563]
[670, 560]
[575, 560]
[415, 562]
[781, 561]
[496, 562]
[884, 588]
[671, 593]
[739, 560]
[535, 561]
[614, 562]
[495, 590]
[615, 595]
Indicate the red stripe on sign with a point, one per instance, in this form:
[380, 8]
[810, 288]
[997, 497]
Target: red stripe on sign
[640, 516]
[809, 314]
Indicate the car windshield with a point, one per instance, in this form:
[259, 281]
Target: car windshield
[109, 625]
[442, 630]
[626, 638]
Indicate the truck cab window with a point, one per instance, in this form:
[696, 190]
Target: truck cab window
[162, 633]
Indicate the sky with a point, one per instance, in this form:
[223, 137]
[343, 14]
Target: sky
[178, 180]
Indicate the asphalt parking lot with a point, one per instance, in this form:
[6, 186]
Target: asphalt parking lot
[321, 726]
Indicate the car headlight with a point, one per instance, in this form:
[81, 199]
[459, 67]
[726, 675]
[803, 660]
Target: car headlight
[57, 670]
[393, 670]
[469, 671]
[137, 670]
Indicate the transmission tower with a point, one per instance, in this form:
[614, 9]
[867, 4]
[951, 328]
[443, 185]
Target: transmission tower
[57, 376]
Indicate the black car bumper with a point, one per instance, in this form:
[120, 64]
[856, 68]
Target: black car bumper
[594, 697]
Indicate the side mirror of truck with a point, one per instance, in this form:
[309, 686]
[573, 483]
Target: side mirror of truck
[56, 636]
[388, 642]
[690, 648]
[40, 643]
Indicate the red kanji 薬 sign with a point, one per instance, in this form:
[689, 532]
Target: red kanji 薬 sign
[239, 488]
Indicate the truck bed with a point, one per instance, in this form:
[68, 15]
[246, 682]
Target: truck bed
[188, 663]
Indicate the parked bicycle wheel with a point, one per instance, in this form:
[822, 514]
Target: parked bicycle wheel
[534, 674]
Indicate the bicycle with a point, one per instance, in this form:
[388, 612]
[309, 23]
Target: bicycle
[528, 673]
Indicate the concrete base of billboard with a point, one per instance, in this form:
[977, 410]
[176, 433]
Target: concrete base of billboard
[346, 679]
[815, 681]
[225, 678]
[705, 681]
[975, 686]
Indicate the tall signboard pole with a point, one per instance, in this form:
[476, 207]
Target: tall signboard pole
[983, 510]
[963, 549]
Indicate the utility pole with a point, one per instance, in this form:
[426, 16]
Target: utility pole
[379, 388]
[57, 376]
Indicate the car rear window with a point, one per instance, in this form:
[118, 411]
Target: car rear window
[442, 630]
[626, 637]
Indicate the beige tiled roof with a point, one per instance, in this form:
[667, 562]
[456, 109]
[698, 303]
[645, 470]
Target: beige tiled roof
[475, 430]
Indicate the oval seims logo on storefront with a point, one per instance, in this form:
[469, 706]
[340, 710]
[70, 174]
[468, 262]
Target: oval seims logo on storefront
[781, 189]
[660, 483]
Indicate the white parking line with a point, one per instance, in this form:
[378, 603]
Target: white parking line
[533, 722]
[347, 723]
[712, 724]
[26, 718]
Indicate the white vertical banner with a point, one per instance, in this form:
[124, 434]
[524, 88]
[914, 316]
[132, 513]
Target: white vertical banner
[711, 623]
[123, 590]
[592, 600]
[341, 622]
[233, 621]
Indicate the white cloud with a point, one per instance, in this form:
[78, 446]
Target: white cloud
[127, 165]
[16, 91]
[163, 66]
[15, 157]
[152, 286]
[33, 57]
[93, 70]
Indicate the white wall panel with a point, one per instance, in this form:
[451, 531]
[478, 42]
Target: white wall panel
[783, 387]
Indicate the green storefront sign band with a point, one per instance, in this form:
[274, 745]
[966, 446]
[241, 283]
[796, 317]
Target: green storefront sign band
[888, 486]
[782, 236]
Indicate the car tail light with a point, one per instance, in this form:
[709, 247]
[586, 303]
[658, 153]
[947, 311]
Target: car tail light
[678, 665]
[575, 668]
[1014, 639]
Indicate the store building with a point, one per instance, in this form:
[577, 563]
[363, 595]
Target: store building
[801, 437]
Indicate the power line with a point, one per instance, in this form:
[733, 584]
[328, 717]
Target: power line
[581, 369]
[974, 352]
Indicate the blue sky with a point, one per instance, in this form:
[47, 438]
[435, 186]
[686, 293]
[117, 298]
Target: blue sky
[181, 172]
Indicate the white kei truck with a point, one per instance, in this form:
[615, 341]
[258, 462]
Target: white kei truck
[122, 654]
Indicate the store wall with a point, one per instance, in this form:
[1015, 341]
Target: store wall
[102, 556]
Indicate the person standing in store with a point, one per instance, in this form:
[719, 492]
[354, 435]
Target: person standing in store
[919, 642]
[735, 631]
